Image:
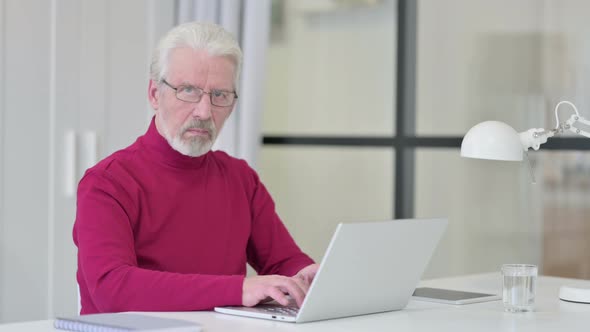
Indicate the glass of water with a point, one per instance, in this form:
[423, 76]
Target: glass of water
[519, 287]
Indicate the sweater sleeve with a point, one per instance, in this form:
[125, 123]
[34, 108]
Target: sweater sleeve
[271, 249]
[107, 259]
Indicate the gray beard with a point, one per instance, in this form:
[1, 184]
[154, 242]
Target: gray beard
[196, 146]
[193, 148]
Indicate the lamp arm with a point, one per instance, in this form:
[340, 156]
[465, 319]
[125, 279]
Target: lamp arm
[533, 138]
[563, 102]
[569, 125]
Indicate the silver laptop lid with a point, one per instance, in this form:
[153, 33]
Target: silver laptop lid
[371, 267]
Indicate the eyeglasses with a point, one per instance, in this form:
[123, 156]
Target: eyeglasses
[193, 94]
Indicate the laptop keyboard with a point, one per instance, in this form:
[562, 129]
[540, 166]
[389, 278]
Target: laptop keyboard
[274, 309]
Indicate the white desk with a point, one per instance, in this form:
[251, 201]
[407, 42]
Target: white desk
[551, 314]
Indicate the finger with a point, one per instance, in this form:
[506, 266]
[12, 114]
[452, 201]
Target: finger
[308, 274]
[293, 289]
[278, 296]
[310, 277]
[301, 276]
[302, 283]
[266, 299]
[314, 272]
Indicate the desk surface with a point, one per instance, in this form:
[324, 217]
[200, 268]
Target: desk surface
[551, 314]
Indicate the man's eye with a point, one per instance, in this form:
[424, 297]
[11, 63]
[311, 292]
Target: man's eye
[187, 89]
[218, 94]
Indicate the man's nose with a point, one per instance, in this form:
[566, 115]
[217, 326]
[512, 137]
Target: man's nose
[202, 109]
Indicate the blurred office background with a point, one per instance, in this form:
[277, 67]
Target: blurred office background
[354, 111]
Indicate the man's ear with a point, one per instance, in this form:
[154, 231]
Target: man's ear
[153, 95]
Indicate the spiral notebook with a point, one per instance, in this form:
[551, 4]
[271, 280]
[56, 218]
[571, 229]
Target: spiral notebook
[124, 322]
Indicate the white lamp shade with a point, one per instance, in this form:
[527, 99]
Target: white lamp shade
[492, 140]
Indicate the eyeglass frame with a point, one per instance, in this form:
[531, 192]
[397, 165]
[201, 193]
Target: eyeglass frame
[163, 80]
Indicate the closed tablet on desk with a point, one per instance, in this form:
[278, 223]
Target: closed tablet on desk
[451, 296]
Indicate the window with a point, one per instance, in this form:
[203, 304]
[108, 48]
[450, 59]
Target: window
[367, 105]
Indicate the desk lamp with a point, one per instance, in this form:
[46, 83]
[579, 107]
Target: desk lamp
[498, 141]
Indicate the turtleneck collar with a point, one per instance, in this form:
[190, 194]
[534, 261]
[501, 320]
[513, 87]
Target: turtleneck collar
[159, 150]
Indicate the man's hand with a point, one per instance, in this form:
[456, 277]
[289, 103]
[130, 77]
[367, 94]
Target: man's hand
[257, 289]
[308, 273]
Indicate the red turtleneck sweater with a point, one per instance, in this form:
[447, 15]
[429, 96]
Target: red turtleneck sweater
[160, 231]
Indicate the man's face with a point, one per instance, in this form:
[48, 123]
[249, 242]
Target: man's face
[191, 128]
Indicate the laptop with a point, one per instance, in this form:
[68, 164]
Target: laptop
[368, 268]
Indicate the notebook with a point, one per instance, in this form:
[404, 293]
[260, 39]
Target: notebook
[368, 268]
[124, 322]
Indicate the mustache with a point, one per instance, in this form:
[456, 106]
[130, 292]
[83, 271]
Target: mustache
[197, 124]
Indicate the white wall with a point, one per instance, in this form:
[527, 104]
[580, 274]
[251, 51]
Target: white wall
[25, 160]
[69, 66]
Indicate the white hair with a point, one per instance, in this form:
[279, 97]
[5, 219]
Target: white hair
[199, 36]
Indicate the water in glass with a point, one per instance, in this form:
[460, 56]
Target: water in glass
[519, 293]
